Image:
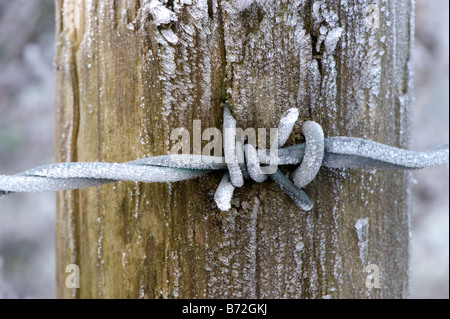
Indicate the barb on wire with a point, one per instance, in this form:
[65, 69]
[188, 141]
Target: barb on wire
[239, 162]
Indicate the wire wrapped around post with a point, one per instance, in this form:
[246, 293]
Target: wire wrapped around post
[239, 163]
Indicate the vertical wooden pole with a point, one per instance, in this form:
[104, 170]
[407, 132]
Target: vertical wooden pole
[128, 72]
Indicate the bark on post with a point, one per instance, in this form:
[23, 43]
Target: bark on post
[130, 71]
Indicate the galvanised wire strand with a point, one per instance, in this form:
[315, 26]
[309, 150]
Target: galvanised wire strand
[239, 162]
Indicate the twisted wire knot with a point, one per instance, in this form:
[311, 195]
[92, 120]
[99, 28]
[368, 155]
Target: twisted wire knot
[243, 161]
[239, 161]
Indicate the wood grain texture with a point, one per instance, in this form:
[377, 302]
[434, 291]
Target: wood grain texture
[126, 76]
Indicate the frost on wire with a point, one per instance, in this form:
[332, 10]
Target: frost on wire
[240, 162]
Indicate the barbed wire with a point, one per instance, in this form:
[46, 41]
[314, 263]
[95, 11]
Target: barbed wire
[239, 162]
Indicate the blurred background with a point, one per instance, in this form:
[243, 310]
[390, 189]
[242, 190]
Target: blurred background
[27, 45]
